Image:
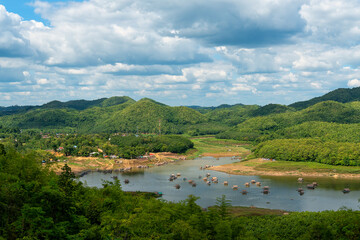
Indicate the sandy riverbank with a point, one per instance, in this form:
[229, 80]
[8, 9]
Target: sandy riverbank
[256, 167]
[81, 164]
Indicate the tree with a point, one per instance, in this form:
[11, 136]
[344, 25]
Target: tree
[223, 207]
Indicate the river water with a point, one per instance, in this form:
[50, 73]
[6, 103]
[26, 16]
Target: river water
[283, 195]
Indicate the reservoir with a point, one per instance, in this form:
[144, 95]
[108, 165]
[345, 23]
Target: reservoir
[283, 190]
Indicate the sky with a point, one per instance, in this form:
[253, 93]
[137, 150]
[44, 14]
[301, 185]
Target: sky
[199, 52]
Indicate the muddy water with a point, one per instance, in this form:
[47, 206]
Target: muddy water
[283, 194]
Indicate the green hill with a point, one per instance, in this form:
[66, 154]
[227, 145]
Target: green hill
[271, 109]
[342, 95]
[150, 116]
[123, 114]
[260, 128]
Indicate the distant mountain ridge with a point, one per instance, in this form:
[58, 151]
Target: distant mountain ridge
[123, 114]
[343, 95]
[72, 104]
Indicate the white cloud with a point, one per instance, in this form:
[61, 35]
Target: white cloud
[333, 21]
[230, 51]
[243, 87]
[316, 85]
[42, 81]
[354, 83]
[12, 42]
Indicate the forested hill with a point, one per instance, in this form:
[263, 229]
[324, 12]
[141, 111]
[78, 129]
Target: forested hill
[74, 104]
[342, 95]
[123, 114]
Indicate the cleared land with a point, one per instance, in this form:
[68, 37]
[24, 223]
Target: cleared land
[203, 146]
[79, 164]
[210, 146]
[264, 167]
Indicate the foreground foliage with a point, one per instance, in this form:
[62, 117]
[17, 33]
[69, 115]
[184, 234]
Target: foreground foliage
[37, 204]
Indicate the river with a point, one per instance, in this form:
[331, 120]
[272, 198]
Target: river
[283, 195]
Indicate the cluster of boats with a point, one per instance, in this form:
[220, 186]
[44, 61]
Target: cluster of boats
[210, 180]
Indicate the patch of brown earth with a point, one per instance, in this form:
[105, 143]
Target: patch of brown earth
[79, 164]
[224, 154]
[248, 168]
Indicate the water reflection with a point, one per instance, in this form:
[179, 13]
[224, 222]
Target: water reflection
[283, 192]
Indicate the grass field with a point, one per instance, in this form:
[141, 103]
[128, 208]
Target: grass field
[210, 146]
[264, 167]
[304, 167]
[254, 211]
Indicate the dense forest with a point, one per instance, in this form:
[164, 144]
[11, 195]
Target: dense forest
[330, 119]
[35, 203]
[121, 145]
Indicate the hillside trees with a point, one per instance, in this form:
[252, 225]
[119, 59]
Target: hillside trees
[38, 204]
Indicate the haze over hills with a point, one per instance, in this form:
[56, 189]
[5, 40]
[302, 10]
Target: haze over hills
[123, 114]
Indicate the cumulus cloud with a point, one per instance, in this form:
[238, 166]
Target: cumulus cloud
[238, 23]
[354, 83]
[180, 52]
[333, 21]
[12, 42]
[125, 33]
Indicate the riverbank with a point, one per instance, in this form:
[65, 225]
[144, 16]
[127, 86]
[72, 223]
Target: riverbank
[203, 146]
[237, 211]
[83, 164]
[264, 167]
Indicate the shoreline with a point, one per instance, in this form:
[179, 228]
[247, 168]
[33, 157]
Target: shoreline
[204, 147]
[249, 168]
[83, 165]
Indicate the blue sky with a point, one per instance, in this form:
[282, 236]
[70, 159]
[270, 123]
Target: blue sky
[201, 52]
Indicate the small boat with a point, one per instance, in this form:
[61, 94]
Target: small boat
[266, 190]
[346, 190]
[310, 186]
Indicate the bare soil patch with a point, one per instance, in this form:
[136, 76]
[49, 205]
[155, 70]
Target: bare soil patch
[80, 164]
[251, 167]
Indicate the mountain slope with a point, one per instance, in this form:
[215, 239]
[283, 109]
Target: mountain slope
[329, 111]
[342, 95]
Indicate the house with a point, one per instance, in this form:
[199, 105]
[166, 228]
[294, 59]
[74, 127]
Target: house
[94, 154]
